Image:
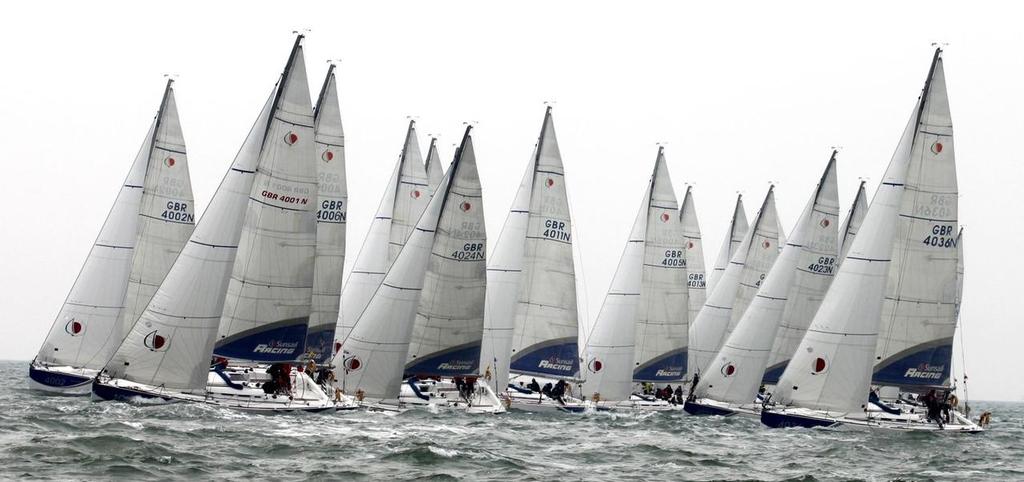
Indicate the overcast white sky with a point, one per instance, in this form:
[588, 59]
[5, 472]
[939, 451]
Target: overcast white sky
[743, 94]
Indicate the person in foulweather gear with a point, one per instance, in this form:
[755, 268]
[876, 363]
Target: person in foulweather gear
[280, 379]
[460, 384]
[470, 386]
[945, 406]
[534, 386]
[693, 388]
[559, 391]
[678, 395]
[931, 402]
[668, 392]
[219, 363]
[547, 389]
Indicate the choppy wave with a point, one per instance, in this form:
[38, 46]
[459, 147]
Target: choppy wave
[69, 438]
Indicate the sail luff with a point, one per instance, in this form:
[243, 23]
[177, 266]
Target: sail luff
[853, 221]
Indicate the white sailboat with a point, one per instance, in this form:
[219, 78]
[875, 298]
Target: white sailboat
[406, 196]
[903, 258]
[426, 318]
[145, 230]
[531, 324]
[331, 216]
[733, 237]
[693, 248]
[790, 295]
[242, 286]
[854, 218]
[728, 301]
[646, 297]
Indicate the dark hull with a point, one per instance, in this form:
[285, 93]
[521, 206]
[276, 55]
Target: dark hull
[694, 408]
[783, 420]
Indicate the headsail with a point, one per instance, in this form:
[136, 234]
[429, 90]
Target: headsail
[145, 230]
[915, 339]
[268, 302]
[831, 369]
[404, 200]
[171, 342]
[727, 302]
[790, 294]
[854, 218]
[733, 237]
[693, 247]
[331, 216]
[659, 349]
[434, 170]
[378, 345]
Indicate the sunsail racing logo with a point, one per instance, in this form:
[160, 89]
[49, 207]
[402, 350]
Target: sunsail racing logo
[456, 365]
[926, 371]
[275, 347]
[669, 373]
[556, 364]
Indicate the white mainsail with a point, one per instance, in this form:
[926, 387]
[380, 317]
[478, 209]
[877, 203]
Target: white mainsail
[331, 216]
[727, 302]
[377, 347]
[532, 322]
[269, 296]
[694, 252]
[915, 339]
[733, 237]
[854, 218]
[434, 170]
[171, 342]
[831, 369]
[659, 346]
[791, 293]
[145, 230]
[405, 197]
[609, 350]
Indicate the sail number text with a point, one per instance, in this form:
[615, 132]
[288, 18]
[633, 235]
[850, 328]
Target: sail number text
[470, 252]
[178, 211]
[556, 230]
[674, 258]
[942, 236]
[331, 211]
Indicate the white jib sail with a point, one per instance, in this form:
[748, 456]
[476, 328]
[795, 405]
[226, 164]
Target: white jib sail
[733, 237]
[915, 339]
[693, 248]
[378, 345]
[404, 199]
[268, 301]
[434, 170]
[854, 218]
[171, 342]
[331, 217]
[831, 368]
[754, 256]
[609, 348]
[89, 317]
[791, 292]
[661, 316]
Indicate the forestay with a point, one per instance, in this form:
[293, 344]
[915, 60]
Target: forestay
[404, 199]
[268, 301]
[171, 342]
[331, 216]
[659, 352]
[733, 237]
[754, 256]
[378, 345]
[915, 340]
[790, 294]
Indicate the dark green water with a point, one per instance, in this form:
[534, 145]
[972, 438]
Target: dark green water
[66, 438]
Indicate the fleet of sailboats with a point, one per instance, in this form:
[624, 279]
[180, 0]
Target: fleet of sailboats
[846, 325]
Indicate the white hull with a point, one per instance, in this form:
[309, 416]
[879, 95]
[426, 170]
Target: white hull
[873, 420]
[636, 403]
[444, 395]
[539, 403]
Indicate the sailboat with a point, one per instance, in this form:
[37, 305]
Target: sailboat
[733, 237]
[242, 287]
[152, 217]
[851, 225]
[433, 166]
[531, 324]
[736, 288]
[639, 330]
[426, 317]
[790, 295]
[900, 275]
[331, 216]
[406, 196]
[693, 247]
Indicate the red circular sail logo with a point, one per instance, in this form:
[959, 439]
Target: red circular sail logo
[936, 147]
[154, 341]
[169, 162]
[766, 245]
[824, 223]
[466, 206]
[352, 364]
[595, 365]
[74, 327]
[415, 194]
[819, 365]
[665, 217]
[689, 245]
[550, 182]
[328, 156]
[729, 370]
[291, 138]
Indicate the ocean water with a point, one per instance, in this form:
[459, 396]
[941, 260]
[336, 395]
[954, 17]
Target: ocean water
[71, 438]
